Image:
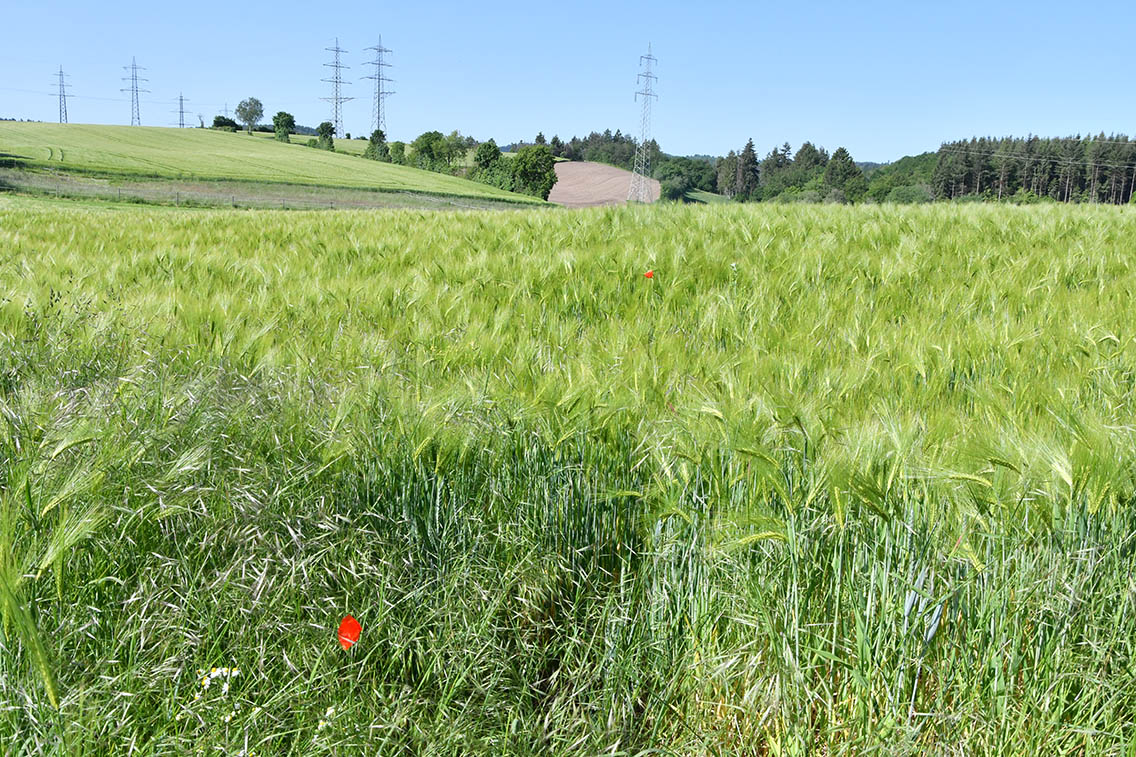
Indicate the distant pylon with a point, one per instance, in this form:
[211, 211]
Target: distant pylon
[181, 111]
[640, 190]
[134, 68]
[378, 108]
[336, 80]
[62, 97]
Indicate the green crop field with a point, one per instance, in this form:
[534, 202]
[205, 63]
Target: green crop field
[207, 154]
[707, 198]
[833, 480]
[348, 146]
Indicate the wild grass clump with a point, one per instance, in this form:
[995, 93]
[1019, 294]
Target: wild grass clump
[834, 479]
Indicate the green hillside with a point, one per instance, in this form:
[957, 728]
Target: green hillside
[207, 154]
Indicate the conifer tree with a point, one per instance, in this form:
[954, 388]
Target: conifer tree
[748, 173]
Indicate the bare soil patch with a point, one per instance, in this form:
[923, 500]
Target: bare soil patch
[586, 185]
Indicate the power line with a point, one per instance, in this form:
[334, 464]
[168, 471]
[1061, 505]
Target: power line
[378, 107]
[86, 97]
[640, 190]
[1032, 138]
[336, 80]
[1046, 158]
[1123, 167]
[134, 68]
[63, 85]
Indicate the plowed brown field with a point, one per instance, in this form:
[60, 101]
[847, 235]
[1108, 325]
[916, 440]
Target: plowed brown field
[585, 185]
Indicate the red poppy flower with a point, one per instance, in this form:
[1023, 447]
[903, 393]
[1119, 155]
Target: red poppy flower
[349, 631]
[650, 274]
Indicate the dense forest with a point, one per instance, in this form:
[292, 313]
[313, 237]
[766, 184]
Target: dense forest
[1073, 169]
[1070, 169]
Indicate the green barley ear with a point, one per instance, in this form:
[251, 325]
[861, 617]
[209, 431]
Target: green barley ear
[26, 630]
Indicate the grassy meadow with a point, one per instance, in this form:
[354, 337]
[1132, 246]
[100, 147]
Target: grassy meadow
[136, 151]
[836, 479]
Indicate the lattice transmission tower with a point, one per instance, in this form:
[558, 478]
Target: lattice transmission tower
[337, 99]
[63, 85]
[379, 107]
[640, 190]
[181, 110]
[134, 79]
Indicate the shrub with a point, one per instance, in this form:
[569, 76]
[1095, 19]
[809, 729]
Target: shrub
[909, 193]
[673, 189]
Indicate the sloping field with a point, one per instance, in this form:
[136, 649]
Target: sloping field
[207, 154]
[586, 185]
[835, 478]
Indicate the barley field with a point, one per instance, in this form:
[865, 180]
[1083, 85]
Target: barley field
[832, 480]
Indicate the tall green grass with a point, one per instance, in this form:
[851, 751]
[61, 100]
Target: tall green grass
[834, 479]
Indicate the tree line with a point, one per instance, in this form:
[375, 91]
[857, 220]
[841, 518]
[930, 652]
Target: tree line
[1100, 169]
[1070, 169]
[809, 175]
[677, 175]
[530, 171]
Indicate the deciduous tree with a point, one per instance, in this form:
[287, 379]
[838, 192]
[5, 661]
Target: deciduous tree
[534, 170]
[429, 150]
[283, 124]
[487, 154]
[326, 134]
[249, 113]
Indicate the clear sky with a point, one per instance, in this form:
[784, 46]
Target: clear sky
[884, 79]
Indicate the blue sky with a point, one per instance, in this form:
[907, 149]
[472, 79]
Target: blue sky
[884, 79]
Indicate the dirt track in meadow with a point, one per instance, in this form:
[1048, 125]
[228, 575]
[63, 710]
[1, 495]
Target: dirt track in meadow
[586, 185]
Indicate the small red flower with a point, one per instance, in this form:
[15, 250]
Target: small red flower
[650, 274]
[349, 631]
